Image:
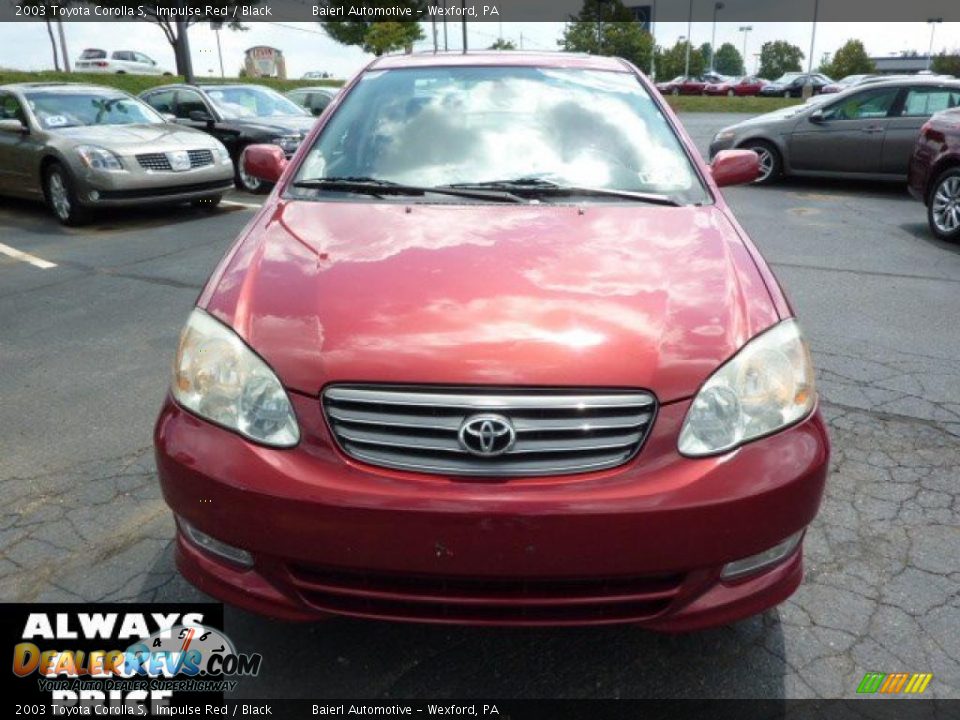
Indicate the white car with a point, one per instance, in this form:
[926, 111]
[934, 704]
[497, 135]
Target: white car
[94, 60]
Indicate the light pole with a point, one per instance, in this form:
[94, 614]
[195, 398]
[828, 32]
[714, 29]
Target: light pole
[717, 7]
[745, 29]
[933, 22]
[808, 85]
[216, 27]
[686, 66]
[653, 41]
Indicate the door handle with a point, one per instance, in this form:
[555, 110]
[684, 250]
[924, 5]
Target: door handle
[871, 129]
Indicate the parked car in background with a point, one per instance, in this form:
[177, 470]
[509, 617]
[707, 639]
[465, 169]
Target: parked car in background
[555, 376]
[792, 84]
[683, 85]
[83, 147]
[314, 99]
[934, 176]
[867, 131]
[315, 75]
[737, 86]
[118, 62]
[846, 82]
[238, 116]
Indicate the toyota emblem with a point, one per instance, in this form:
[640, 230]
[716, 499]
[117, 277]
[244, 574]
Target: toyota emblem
[487, 435]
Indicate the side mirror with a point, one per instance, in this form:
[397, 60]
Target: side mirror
[200, 116]
[735, 167]
[265, 162]
[817, 116]
[13, 125]
[169, 117]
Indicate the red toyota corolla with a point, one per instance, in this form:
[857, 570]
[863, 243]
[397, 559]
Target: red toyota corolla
[495, 350]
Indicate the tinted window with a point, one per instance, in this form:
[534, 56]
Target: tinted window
[93, 54]
[922, 102]
[10, 109]
[189, 101]
[864, 105]
[162, 101]
[123, 55]
[436, 126]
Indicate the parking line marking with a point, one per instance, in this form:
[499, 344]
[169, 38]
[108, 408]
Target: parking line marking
[26, 257]
[255, 206]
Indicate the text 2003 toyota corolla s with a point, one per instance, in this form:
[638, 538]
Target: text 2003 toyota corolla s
[495, 350]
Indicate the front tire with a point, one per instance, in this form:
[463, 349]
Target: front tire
[675, 91]
[943, 210]
[730, 93]
[786, 93]
[61, 197]
[771, 164]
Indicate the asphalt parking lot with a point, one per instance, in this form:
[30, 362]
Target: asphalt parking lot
[85, 350]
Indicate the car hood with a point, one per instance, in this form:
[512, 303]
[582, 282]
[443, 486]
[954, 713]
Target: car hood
[137, 138]
[281, 125]
[613, 296]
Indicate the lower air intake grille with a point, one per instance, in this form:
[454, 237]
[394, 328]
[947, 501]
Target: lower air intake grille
[488, 431]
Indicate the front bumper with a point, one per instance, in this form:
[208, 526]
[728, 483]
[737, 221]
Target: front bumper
[140, 187]
[644, 543]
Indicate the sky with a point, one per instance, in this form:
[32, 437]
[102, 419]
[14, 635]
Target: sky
[306, 48]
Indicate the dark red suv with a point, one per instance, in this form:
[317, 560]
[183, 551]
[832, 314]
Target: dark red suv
[934, 176]
[495, 350]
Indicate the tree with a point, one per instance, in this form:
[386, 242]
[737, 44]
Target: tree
[850, 59]
[729, 61]
[369, 35]
[606, 27]
[946, 64]
[175, 30]
[671, 63]
[47, 15]
[502, 44]
[779, 57]
[706, 51]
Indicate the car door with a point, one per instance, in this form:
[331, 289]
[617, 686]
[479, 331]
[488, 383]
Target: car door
[843, 136]
[146, 65]
[916, 106]
[121, 61]
[17, 149]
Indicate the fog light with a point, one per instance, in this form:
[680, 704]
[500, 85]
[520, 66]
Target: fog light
[94, 195]
[216, 547]
[749, 565]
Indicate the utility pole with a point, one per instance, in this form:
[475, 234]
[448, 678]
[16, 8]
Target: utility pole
[446, 45]
[808, 85]
[653, 40]
[933, 22]
[433, 24]
[745, 29]
[686, 67]
[463, 8]
[217, 27]
[717, 7]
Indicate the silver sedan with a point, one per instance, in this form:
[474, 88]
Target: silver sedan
[82, 147]
[865, 132]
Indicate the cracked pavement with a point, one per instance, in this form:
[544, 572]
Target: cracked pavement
[85, 351]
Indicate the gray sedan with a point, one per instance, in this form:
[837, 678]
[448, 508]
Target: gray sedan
[80, 147]
[866, 132]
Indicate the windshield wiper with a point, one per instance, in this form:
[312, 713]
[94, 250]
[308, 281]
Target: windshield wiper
[540, 187]
[379, 188]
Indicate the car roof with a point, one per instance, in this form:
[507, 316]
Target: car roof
[65, 86]
[912, 80]
[501, 58]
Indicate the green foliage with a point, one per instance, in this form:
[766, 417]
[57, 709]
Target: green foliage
[608, 28]
[779, 57]
[706, 50]
[850, 59]
[946, 64]
[671, 63]
[729, 61]
[376, 37]
[502, 44]
[136, 84]
[752, 105]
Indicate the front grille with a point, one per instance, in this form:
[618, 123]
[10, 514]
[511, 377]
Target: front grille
[454, 599]
[556, 432]
[159, 161]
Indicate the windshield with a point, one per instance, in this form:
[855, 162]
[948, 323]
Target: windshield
[239, 102]
[464, 125]
[59, 110]
[787, 78]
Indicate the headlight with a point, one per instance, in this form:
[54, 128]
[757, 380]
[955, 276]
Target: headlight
[98, 158]
[766, 386]
[219, 378]
[288, 143]
[222, 154]
[724, 135]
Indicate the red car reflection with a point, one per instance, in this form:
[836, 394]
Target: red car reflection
[471, 367]
[683, 85]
